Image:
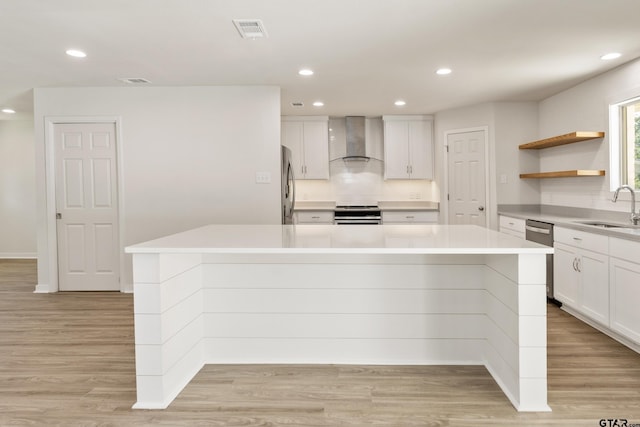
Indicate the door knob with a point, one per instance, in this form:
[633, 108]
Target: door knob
[58, 215]
[481, 208]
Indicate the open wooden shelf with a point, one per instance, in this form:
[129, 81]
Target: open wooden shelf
[568, 138]
[564, 174]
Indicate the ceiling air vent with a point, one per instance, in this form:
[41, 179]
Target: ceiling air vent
[297, 104]
[135, 80]
[250, 28]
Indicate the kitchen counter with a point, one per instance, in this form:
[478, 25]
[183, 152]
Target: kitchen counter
[572, 218]
[304, 205]
[402, 205]
[331, 239]
[325, 294]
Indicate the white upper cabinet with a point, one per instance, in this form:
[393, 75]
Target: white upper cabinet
[408, 147]
[308, 139]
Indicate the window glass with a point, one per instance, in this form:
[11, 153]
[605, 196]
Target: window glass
[631, 144]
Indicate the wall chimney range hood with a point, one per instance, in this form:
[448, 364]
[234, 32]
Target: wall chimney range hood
[356, 148]
[355, 138]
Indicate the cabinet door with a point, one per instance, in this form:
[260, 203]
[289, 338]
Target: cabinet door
[316, 150]
[624, 282]
[594, 286]
[420, 149]
[396, 150]
[293, 137]
[565, 275]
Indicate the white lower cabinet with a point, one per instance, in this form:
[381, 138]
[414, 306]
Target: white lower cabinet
[409, 217]
[313, 217]
[598, 277]
[512, 226]
[581, 275]
[624, 283]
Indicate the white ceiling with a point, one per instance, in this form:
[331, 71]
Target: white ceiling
[365, 53]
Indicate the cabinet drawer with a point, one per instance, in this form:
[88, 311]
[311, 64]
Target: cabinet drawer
[581, 239]
[322, 217]
[624, 249]
[390, 217]
[509, 223]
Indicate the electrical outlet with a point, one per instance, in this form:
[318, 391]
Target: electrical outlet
[263, 177]
[503, 179]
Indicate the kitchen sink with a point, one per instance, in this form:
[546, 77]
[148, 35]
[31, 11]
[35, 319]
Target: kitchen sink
[603, 224]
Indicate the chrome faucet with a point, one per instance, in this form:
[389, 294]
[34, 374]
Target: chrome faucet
[635, 217]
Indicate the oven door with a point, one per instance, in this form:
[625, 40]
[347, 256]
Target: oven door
[356, 220]
[353, 216]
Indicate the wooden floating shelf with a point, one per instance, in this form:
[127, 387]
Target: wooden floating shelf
[568, 138]
[564, 174]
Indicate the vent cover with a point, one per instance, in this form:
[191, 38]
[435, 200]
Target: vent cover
[135, 80]
[297, 104]
[250, 28]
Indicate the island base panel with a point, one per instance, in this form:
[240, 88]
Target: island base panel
[370, 309]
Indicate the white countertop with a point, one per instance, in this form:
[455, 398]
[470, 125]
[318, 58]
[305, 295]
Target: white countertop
[340, 239]
[402, 205]
[577, 223]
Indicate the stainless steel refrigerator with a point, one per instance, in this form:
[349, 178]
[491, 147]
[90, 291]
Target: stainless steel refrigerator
[288, 186]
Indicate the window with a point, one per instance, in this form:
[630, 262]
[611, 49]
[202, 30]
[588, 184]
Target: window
[625, 143]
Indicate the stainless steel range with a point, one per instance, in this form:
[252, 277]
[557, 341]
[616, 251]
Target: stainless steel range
[369, 214]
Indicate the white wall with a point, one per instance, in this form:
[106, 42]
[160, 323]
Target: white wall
[475, 116]
[189, 156]
[510, 124]
[515, 124]
[17, 190]
[584, 107]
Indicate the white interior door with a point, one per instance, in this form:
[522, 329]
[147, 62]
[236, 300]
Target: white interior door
[467, 178]
[86, 206]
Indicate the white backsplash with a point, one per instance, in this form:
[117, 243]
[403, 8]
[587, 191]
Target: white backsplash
[358, 183]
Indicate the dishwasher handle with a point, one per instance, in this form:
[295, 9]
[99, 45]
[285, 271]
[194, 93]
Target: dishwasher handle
[538, 230]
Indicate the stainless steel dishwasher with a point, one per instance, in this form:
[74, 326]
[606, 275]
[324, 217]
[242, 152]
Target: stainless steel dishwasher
[542, 233]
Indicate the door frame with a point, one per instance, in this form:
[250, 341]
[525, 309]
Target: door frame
[50, 160]
[488, 188]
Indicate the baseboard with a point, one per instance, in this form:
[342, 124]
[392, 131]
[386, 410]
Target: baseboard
[18, 255]
[41, 289]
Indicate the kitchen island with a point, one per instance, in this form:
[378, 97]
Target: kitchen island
[327, 294]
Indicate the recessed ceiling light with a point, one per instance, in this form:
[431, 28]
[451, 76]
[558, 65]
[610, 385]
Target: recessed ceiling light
[443, 71]
[8, 111]
[76, 53]
[318, 104]
[609, 56]
[305, 72]
[400, 103]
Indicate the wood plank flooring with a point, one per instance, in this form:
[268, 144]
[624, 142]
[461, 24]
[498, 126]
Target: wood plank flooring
[68, 359]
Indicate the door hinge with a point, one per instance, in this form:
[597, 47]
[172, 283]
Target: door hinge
[447, 197]
[447, 148]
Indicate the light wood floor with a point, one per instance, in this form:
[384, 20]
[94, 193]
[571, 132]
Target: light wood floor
[68, 359]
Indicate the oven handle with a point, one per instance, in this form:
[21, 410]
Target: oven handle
[538, 230]
[347, 222]
[357, 218]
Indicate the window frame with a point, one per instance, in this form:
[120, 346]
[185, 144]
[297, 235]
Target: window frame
[619, 161]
